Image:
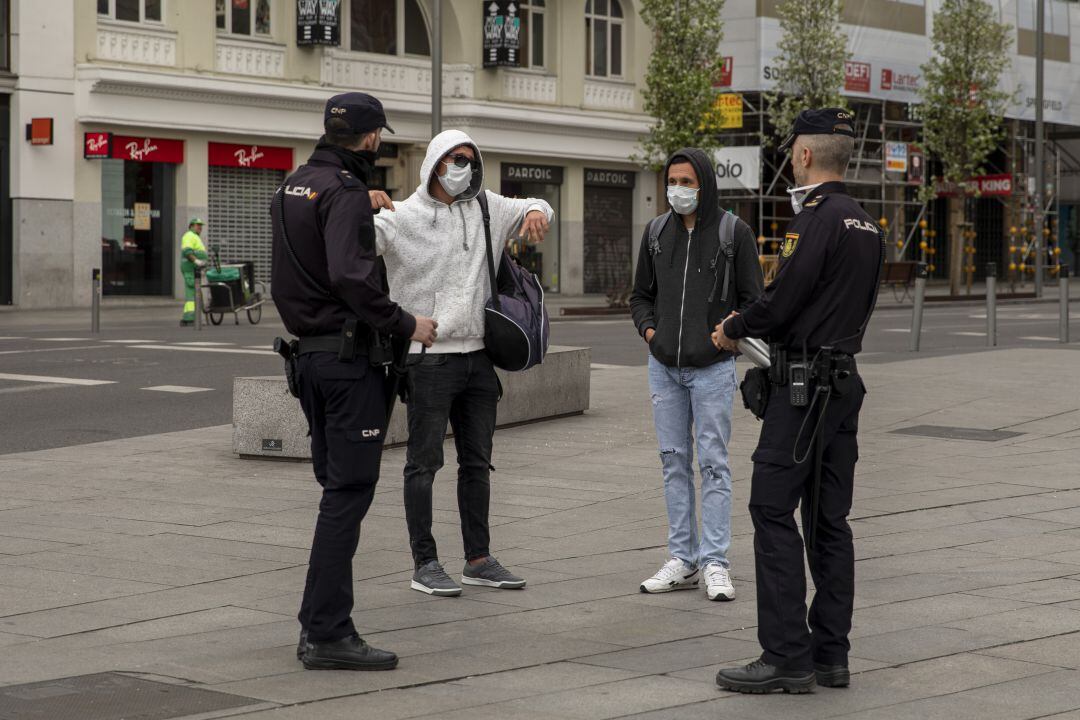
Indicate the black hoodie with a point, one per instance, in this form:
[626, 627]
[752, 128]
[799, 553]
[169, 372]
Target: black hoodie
[674, 281]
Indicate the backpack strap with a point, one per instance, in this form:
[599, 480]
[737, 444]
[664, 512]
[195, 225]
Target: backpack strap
[481, 198]
[726, 231]
[656, 226]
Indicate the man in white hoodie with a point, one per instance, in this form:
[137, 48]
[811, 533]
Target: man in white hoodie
[433, 245]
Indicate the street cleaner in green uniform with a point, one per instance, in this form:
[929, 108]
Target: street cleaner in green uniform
[192, 255]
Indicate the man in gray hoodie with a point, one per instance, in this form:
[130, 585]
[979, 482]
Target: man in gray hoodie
[433, 245]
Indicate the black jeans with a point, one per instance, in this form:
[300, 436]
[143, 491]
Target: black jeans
[464, 390]
[346, 412]
[778, 486]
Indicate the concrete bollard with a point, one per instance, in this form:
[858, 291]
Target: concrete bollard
[991, 304]
[198, 299]
[921, 274]
[95, 300]
[1063, 302]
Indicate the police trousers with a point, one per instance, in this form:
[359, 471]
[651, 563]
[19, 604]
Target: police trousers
[780, 485]
[346, 413]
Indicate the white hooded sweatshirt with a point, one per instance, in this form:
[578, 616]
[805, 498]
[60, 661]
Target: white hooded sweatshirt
[434, 252]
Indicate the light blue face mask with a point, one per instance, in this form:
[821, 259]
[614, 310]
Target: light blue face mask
[798, 195]
[683, 200]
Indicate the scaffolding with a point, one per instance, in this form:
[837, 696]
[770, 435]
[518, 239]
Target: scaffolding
[992, 228]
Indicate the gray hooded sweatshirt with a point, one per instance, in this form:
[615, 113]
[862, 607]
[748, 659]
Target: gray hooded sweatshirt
[434, 252]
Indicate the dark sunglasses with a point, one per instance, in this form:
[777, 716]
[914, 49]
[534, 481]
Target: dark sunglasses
[460, 160]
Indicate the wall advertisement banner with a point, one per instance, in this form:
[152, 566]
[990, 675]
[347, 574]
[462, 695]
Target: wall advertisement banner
[318, 22]
[502, 33]
[738, 168]
[896, 157]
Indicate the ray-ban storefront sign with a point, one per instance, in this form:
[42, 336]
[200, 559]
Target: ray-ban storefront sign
[265, 157]
[318, 22]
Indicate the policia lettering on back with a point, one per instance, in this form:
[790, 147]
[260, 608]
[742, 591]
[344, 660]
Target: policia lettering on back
[814, 314]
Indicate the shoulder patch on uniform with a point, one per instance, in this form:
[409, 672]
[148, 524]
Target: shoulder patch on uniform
[791, 241]
[814, 202]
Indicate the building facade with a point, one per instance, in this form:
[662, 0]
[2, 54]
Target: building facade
[163, 110]
[888, 41]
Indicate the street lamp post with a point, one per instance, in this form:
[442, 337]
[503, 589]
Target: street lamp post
[1040, 170]
[436, 67]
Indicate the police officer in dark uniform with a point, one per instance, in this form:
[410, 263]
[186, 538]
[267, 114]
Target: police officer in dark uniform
[330, 292]
[814, 314]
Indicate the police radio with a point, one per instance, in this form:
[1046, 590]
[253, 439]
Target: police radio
[799, 377]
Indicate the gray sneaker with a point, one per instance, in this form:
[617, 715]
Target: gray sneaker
[430, 578]
[490, 574]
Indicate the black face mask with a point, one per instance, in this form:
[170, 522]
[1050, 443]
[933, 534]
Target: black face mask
[358, 162]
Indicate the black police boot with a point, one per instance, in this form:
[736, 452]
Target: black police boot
[832, 676]
[761, 677]
[301, 647]
[350, 653]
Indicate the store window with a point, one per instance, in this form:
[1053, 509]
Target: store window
[388, 27]
[1055, 23]
[545, 183]
[137, 227]
[130, 10]
[604, 38]
[244, 17]
[533, 14]
[5, 39]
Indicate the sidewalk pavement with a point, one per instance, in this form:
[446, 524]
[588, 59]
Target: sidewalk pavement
[166, 558]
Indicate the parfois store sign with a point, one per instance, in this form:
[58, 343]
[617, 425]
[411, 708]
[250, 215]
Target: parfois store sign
[144, 149]
[264, 157]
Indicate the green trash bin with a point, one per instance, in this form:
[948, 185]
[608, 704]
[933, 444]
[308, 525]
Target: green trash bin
[221, 300]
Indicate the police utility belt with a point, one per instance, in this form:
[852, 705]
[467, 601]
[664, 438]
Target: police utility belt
[805, 371]
[346, 344]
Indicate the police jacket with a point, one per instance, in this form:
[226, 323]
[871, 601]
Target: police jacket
[678, 284]
[328, 217]
[827, 280]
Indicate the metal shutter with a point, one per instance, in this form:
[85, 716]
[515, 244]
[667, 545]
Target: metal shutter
[239, 219]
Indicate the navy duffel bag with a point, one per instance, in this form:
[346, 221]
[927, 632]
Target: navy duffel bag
[516, 324]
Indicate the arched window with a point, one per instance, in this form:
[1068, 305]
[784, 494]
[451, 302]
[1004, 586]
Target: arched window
[389, 27]
[604, 38]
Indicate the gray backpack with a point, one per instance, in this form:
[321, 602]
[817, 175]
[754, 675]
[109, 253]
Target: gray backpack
[726, 231]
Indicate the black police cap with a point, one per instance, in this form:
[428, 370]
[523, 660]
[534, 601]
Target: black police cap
[825, 121]
[361, 111]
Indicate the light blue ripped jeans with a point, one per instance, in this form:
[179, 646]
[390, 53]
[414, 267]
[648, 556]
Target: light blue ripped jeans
[688, 404]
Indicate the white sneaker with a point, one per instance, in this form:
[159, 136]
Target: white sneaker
[718, 582]
[675, 575]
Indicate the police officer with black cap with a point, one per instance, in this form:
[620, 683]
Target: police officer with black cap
[814, 314]
[330, 292]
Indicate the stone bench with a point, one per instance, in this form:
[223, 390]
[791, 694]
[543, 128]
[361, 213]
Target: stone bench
[268, 421]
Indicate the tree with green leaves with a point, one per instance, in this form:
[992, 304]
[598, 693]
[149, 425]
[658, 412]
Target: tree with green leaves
[963, 107]
[813, 49]
[684, 64]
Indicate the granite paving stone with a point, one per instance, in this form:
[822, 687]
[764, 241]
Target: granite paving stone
[121, 556]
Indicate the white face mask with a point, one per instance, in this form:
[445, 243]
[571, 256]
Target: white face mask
[683, 200]
[798, 195]
[457, 179]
